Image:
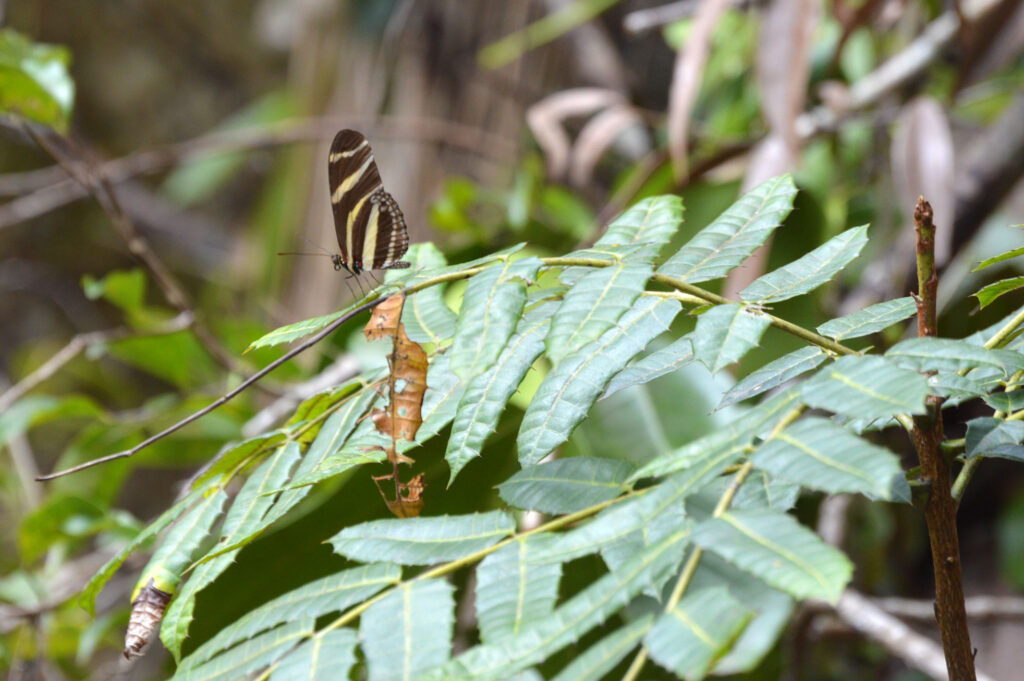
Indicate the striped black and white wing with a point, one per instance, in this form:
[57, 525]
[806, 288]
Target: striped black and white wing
[369, 224]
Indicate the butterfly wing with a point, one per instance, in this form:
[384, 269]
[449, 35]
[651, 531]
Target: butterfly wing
[367, 220]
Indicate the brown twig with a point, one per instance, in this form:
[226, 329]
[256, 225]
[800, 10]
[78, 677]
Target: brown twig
[222, 400]
[940, 508]
[76, 161]
[80, 343]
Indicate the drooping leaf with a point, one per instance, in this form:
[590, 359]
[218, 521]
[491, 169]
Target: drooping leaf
[948, 354]
[700, 629]
[810, 271]
[988, 262]
[593, 305]
[995, 437]
[776, 548]
[324, 657]
[866, 387]
[422, 541]
[774, 374]
[481, 404]
[869, 320]
[725, 333]
[34, 80]
[655, 365]
[247, 510]
[250, 656]
[819, 454]
[426, 317]
[735, 234]
[601, 658]
[989, 293]
[516, 586]
[566, 485]
[491, 306]
[565, 396]
[409, 631]
[567, 623]
[333, 593]
[652, 221]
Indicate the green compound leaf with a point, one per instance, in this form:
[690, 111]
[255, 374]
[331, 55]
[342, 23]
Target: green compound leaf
[735, 234]
[34, 80]
[257, 653]
[809, 272]
[947, 354]
[333, 593]
[677, 354]
[482, 403]
[776, 548]
[568, 391]
[593, 305]
[819, 454]
[866, 387]
[774, 374]
[989, 293]
[869, 320]
[325, 657]
[652, 221]
[601, 658]
[700, 629]
[566, 485]
[725, 333]
[570, 621]
[409, 631]
[491, 306]
[999, 258]
[517, 586]
[423, 541]
[293, 332]
[426, 317]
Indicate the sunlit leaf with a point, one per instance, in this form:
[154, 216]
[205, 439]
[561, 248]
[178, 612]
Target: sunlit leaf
[567, 393]
[325, 657]
[810, 271]
[484, 400]
[690, 637]
[34, 80]
[422, 541]
[988, 262]
[725, 333]
[491, 306]
[250, 656]
[333, 593]
[426, 317]
[566, 485]
[593, 305]
[774, 374]
[735, 234]
[776, 548]
[866, 387]
[516, 586]
[819, 454]
[652, 221]
[869, 320]
[409, 631]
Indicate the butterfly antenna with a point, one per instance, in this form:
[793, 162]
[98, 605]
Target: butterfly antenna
[314, 245]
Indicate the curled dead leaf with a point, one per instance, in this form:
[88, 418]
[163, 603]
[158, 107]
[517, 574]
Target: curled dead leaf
[408, 501]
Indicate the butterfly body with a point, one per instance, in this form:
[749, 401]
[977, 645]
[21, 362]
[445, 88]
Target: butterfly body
[367, 220]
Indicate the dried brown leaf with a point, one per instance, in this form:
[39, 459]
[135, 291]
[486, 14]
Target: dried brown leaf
[408, 501]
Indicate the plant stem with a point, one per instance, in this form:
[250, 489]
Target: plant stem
[940, 509]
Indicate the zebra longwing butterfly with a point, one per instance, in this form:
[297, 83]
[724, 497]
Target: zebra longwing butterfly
[369, 224]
